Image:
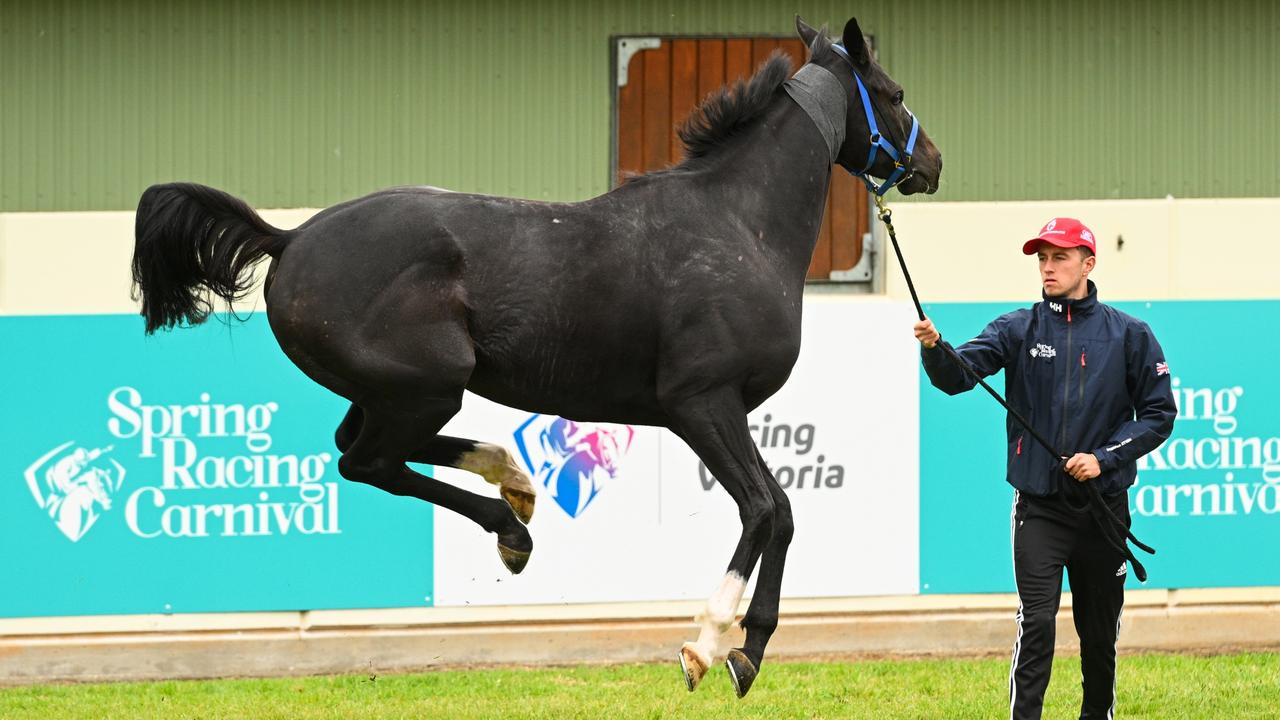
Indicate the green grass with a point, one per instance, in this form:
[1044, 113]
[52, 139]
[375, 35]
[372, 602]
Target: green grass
[1151, 686]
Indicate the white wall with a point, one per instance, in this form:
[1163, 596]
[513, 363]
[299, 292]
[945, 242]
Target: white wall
[78, 262]
[1173, 249]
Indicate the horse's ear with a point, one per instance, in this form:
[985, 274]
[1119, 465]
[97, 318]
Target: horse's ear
[853, 42]
[806, 33]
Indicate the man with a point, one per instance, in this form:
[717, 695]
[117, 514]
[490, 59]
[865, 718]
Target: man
[1094, 381]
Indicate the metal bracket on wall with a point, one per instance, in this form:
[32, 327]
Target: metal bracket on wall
[861, 272]
[627, 48]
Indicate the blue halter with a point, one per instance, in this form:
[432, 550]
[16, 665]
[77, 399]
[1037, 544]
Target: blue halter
[901, 161]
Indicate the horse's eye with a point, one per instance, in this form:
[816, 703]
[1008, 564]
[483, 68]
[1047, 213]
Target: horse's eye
[897, 98]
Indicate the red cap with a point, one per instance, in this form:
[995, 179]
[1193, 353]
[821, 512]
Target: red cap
[1064, 232]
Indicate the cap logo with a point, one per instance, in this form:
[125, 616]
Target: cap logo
[1086, 236]
[1049, 229]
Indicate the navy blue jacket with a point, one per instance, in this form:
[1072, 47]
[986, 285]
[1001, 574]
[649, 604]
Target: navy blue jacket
[1088, 377]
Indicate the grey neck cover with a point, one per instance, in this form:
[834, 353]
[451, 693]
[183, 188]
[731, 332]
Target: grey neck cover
[819, 93]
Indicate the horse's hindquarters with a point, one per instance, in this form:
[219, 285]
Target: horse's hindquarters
[372, 316]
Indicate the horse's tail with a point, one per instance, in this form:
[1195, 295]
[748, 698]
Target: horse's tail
[190, 238]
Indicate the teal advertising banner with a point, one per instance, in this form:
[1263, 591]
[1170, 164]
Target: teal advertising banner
[192, 471]
[1208, 500]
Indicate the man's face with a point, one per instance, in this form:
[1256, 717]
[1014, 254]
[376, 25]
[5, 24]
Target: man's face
[1063, 270]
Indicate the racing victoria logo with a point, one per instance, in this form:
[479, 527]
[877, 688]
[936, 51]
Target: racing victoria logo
[572, 460]
[74, 487]
[789, 450]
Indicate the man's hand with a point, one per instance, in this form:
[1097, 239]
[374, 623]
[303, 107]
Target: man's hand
[1083, 466]
[926, 333]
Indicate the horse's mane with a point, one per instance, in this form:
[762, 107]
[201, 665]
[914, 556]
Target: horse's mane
[726, 111]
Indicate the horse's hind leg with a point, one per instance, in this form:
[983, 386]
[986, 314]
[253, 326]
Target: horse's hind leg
[399, 349]
[349, 429]
[492, 462]
[489, 461]
[715, 427]
[386, 440]
[762, 615]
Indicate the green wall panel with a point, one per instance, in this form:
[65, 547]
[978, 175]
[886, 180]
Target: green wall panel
[307, 103]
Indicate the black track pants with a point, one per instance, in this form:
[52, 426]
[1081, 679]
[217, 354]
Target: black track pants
[1046, 538]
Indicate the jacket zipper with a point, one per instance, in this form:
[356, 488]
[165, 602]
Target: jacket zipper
[1066, 386]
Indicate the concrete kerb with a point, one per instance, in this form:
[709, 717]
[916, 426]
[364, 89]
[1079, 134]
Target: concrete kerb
[323, 642]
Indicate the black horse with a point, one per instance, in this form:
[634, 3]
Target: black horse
[673, 300]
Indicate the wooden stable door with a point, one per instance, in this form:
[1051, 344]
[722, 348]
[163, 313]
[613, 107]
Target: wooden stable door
[662, 86]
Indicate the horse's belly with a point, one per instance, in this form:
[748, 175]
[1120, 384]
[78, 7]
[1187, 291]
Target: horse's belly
[571, 387]
[762, 385]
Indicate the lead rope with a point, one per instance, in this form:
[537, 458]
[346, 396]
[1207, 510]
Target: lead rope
[1113, 528]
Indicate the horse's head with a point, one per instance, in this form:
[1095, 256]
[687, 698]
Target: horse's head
[919, 164]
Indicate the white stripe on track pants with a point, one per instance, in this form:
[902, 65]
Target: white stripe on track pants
[1048, 537]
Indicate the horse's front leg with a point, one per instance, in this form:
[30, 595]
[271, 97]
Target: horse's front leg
[762, 615]
[714, 425]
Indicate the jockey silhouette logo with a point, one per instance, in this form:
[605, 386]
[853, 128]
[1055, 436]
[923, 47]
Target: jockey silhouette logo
[573, 460]
[73, 487]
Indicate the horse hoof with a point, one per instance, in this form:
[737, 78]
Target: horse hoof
[521, 502]
[515, 560]
[692, 666]
[741, 671]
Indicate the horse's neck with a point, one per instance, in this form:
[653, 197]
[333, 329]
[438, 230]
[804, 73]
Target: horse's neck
[779, 172]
